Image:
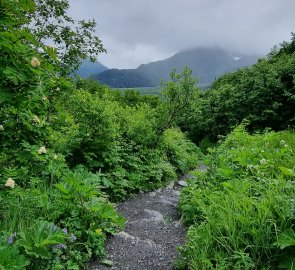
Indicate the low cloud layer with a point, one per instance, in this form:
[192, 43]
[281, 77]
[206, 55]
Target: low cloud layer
[141, 31]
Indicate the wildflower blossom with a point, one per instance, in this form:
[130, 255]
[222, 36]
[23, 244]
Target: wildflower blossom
[283, 143]
[65, 230]
[249, 167]
[263, 161]
[1, 127]
[42, 150]
[11, 238]
[36, 119]
[35, 62]
[10, 183]
[60, 246]
[44, 98]
[73, 237]
[55, 157]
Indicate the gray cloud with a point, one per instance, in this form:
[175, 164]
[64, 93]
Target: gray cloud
[141, 31]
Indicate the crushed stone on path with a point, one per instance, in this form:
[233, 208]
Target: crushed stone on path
[151, 235]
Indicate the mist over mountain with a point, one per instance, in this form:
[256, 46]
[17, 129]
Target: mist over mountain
[207, 64]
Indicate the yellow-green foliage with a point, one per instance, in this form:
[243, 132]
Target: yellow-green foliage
[242, 210]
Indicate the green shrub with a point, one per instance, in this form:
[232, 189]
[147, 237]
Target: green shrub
[181, 153]
[241, 208]
[75, 205]
[263, 94]
[10, 257]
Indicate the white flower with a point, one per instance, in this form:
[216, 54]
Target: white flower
[249, 167]
[36, 119]
[1, 127]
[44, 98]
[263, 161]
[10, 183]
[282, 142]
[35, 62]
[55, 157]
[42, 150]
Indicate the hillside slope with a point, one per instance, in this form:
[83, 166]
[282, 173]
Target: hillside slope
[207, 64]
[89, 68]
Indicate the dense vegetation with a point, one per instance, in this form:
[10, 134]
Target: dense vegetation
[123, 78]
[71, 148]
[264, 94]
[241, 211]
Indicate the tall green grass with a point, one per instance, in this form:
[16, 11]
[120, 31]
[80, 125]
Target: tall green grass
[241, 211]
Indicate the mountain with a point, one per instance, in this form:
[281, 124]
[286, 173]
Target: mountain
[124, 78]
[89, 68]
[207, 64]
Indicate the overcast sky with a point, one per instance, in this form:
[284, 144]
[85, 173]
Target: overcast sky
[142, 31]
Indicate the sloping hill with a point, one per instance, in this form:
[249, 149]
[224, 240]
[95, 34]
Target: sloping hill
[89, 68]
[207, 64]
[124, 78]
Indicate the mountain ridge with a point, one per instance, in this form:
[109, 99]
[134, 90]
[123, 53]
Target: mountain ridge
[88, 68]
[207, 64]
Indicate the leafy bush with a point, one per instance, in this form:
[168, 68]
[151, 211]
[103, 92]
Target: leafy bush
[242, 209]
[181, 153]
[97, 128]
[79, 210]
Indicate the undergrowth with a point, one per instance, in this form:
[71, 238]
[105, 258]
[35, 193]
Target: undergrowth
[241, 211]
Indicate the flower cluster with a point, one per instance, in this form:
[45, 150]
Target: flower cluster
[252, 167]
[10, 183]
[36, 119]
[73, 237]
[1, 127]
[11, 238]
[262, 161]
[42, 150]
[60, 246]
[35, 62]
[283, 143]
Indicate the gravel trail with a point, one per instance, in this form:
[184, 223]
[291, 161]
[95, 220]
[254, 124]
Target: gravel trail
[151, 235]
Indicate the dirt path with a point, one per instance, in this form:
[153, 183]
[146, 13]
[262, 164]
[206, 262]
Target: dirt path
[152, 233]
